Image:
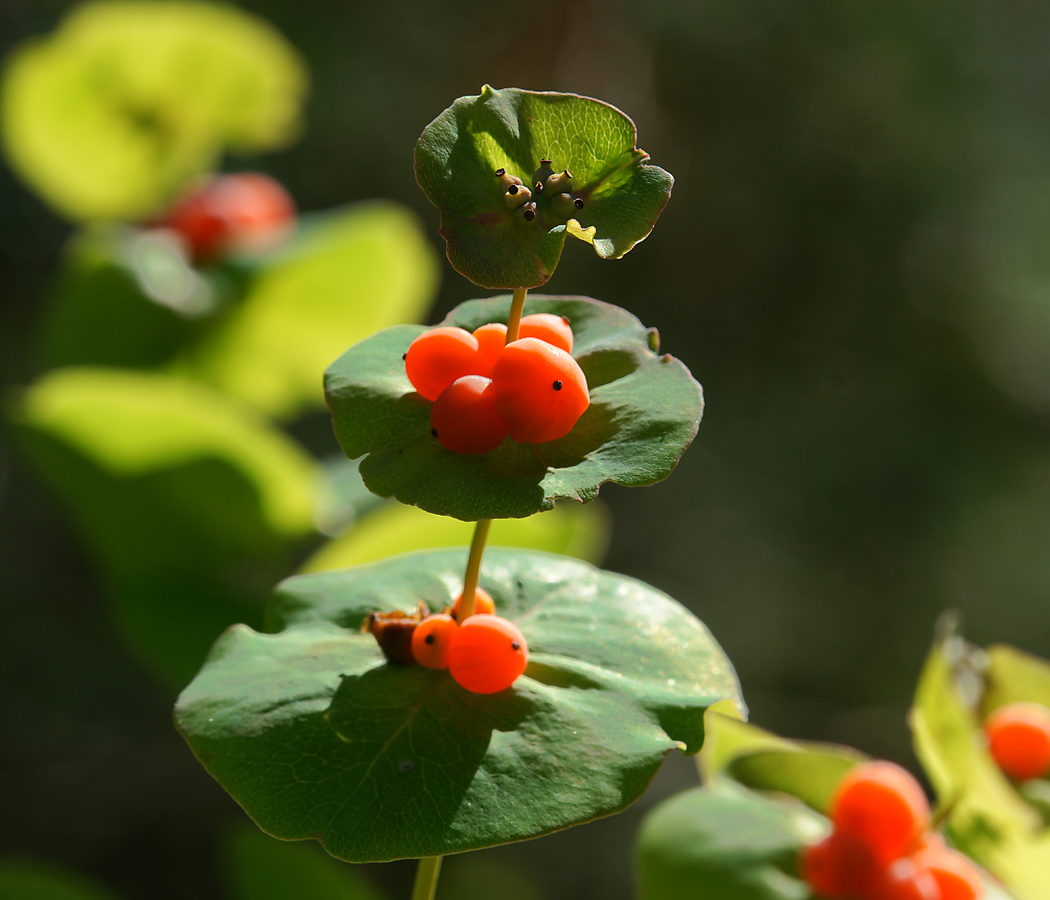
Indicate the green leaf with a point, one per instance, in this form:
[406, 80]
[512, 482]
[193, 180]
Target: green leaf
[722, 842]
[1013, 676]
[24, 880]
[261, 868]
[645, 410]
[316, 736]
[127, 297]
[111, 114]
[192, 504]
[807, 771]
[579, 531]
[459, 152]
[348, 274]
[987, 818]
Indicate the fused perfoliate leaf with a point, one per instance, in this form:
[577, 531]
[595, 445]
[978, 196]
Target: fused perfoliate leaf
[574, 156]
[111, 114]
[317, 736]
[644, 412]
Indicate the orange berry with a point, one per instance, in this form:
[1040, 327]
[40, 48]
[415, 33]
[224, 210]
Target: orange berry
[491, 338]
[902, 880]
[431, 640]
[956, 877]
[487, 654]
[483, 604]
[438, 357]
[242, 212]
[1019, 739]
[540, 391]
[838, 866]
[547, 327]
[464, 418]
[884, 806]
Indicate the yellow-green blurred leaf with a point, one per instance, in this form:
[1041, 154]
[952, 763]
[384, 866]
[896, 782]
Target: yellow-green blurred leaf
[349, 274]
[568, 530]
[111, 114]
[766, 762]
[987, 818]
[130, 423]
[1013, 676]
[192, 505]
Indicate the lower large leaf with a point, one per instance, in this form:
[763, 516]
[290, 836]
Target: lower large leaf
[316, 736]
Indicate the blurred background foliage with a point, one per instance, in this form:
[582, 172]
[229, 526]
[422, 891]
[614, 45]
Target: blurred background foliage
[854, 264]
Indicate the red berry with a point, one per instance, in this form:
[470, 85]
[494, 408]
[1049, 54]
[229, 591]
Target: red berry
[883, 805]
[550, 328]
[837, 867]
[242, 213]
[491, 338]
[487, 654]
[438, 357]
[483, 604]
[902, 880]
[540, 391]
[431, 640]
[464, 418]
[1019, 739]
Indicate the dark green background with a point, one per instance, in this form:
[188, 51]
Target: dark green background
[856, 265]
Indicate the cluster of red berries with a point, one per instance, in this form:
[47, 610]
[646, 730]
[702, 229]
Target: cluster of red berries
[1019, 739]
[484, 654]
[243, 213]
[484, 388]
[881, 848]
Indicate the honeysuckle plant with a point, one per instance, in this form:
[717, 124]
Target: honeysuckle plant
[309, 726]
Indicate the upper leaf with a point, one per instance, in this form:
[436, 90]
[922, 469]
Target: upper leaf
[459, 153]
[645, 410]
[316, 736]
[110, 115]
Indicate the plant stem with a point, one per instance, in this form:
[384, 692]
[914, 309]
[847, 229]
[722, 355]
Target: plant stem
[470, 578]
[514, 319]
[427, 878]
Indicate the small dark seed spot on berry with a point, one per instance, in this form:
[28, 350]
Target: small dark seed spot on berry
[557, 385]
[513, 189]
[515, 645]
[429, 639]
[529, 215]
[434, 432]
[501, 171]
[404, 356]
[579, 203]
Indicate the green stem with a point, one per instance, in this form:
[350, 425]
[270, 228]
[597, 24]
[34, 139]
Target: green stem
[427, 878]
[514, 319]
[470, 578]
